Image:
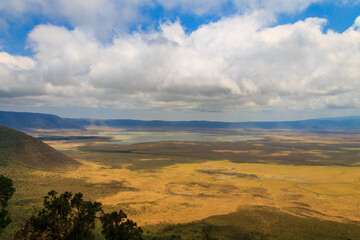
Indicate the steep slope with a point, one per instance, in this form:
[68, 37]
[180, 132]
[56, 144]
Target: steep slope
[24, 120]
[18, 147]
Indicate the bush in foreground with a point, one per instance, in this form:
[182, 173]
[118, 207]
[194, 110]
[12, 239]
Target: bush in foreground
[69, 217]
[6, 192]
[116, 227]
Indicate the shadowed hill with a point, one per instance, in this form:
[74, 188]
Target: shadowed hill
[262, 223]
[21, 148]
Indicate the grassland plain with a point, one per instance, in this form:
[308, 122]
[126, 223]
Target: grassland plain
[293, 180]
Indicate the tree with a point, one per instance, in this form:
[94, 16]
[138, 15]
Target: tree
[117, 227]
[65, 217]
[69, 217]
[6, 192]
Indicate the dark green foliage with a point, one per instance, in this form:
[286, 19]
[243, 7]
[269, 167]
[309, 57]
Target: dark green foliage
[69, 217]
[6, 192]
[117, 227]
[65, 217]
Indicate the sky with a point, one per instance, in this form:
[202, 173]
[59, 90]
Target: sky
[217, 60]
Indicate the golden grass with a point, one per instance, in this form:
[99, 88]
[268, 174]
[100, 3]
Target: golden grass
[186, 192]
[281, 154]
[64, 144]
[352, 149]
[290, 136]
[191, 191]
[229, 151]
[152, 159]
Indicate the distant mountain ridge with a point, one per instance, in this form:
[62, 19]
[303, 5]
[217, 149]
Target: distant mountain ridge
[20, 120]
[326, 123]
[20, 148]
[26, 120]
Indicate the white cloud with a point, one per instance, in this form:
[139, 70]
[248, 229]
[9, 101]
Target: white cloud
[16, 62]
[18, 78]
[106, 17]
[63, 56]
[103, 17]
[236, 63]
[18, 7]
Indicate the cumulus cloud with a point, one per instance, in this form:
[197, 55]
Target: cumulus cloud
[18, 77]
[108, 17]
[103, 17]
[240, 62]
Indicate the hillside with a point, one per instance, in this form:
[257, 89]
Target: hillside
[18, 147]
[261, 222]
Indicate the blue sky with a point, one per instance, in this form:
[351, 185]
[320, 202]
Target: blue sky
[234, 60]
[340, 17]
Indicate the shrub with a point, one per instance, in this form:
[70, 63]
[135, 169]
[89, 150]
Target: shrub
[116, 227]
[6, 192]
[69, 217]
